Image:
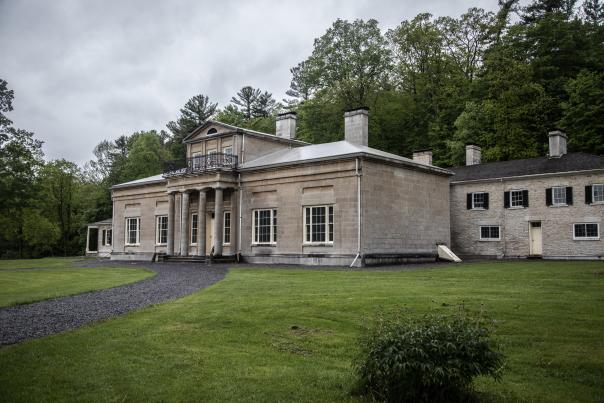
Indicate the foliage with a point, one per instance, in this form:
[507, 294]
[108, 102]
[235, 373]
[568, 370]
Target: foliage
[432, 359]
[194, 113]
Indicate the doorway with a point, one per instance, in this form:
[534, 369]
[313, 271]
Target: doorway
[536, 239]
[209, 233]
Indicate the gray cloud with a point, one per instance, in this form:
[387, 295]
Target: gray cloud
[86, 71]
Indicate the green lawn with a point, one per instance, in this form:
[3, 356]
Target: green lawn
[290, 335]
[24, 281]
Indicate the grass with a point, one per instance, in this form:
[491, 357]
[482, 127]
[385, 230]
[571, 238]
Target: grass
[25, 281]
[290, 335]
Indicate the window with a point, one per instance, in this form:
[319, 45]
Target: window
[212, 131]
[103, 237]
[318, 224]
[516, 199]
[228, 150]
[265, 226]
[478, 201]
[108, 236]
[197, 160]
[194, 225]
[490, 233]
[559, 195]
[226, 239]
[161, 232]
[212, 159]
[586, 231]
[597, 193]
[133, 231]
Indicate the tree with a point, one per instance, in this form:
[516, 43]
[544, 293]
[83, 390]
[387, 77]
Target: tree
[193, 114]
[246, 99]
[6, 103]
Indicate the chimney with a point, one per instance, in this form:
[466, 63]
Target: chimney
[423, 156]
[557, 143]
[356, 126]
[286, 125]
[472, 154]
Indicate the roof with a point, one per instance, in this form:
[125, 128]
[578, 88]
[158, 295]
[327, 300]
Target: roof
[142, 181]
[330, 151]
[236, 129]
[106, 221]
[571, 162]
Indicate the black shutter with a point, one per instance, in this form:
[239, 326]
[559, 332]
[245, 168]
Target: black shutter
[548, 196]
[569, 195]
[525, 202]
[486, 201]
[588, 194]
[506, 199]
[469, 201]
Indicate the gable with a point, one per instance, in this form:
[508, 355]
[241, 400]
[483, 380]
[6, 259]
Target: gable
[208, 129]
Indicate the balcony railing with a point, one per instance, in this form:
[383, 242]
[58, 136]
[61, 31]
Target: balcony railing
[200, 164]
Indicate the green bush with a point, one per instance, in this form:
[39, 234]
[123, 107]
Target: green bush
[431, 359]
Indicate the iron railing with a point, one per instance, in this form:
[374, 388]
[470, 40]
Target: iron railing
[200, 164]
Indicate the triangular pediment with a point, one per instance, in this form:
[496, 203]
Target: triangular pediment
[208, 129]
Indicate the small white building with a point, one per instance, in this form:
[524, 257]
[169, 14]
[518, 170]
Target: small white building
[99, 238]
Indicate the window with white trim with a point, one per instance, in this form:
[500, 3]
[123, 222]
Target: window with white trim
[516, 199]
[133, 231]
[161, 230]
[478, 200]
[264, 229]
[559, 195]
[490, 233]
[197, 160]
[194, 225]
[108, 236]
[597, 192]
[318, 224]
[586, 231]
[226, 238]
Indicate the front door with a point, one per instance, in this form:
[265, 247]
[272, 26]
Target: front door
[536, 239]
[209, 233]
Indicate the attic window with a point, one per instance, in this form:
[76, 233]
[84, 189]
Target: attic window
[212, 131]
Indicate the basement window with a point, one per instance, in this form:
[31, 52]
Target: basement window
[490, 233]
[586, 231]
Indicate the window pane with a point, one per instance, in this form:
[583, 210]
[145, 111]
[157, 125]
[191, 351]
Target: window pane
[598, 193]
[516, 196]
[484, 232]
[330, 223]
[559, 195]
[194, 221]
[227, 227]
[274, 225]
[580, 230]
[591, 230]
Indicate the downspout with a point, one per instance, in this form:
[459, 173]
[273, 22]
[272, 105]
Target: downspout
[503, 221]
[240, 219]
[358, 175]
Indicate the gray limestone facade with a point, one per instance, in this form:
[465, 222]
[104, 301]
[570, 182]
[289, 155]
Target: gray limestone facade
[266, 198]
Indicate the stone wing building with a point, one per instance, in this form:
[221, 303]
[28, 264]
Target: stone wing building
[269, 198]
[550, 207]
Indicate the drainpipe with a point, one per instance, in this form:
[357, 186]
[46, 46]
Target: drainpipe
[240, 217]
[243, 148]
[358, 175]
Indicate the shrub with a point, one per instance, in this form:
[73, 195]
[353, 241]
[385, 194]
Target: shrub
[431, 359]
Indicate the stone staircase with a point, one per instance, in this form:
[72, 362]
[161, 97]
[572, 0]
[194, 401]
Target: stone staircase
[196, 259]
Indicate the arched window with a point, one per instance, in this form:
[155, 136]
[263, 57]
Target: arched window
[212, 131]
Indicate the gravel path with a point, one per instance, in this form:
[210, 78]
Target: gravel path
[39, 319]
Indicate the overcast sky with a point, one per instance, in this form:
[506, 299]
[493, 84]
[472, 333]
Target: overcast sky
[83, 71]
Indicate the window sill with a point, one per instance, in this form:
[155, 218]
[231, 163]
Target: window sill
[328, 244]
[597, 203]
[516, 208]
[264, 245]
[132, 244]
[587, 239]
[490, 240]
[478, 209]
[161, 244]
[559, 205]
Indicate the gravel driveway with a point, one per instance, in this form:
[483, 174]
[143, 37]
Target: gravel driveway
[173, 280]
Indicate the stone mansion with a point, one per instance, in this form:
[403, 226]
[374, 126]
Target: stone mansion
[263, 198]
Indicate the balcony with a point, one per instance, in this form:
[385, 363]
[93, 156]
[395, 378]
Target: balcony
[200, 164]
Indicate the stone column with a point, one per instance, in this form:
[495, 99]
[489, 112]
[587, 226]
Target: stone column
[184, 235]
[218, 221]
[201, 224]
[171, 207]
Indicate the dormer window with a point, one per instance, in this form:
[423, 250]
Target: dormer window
[212, 131]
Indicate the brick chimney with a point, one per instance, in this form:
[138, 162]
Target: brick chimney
[557, 143]
[286, 125]
[423, 156]
[472, 154]
[356, 126]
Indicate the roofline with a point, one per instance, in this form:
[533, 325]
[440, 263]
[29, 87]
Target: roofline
[516, 177]
[131, 185]
[239, 130]
[359, 154]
